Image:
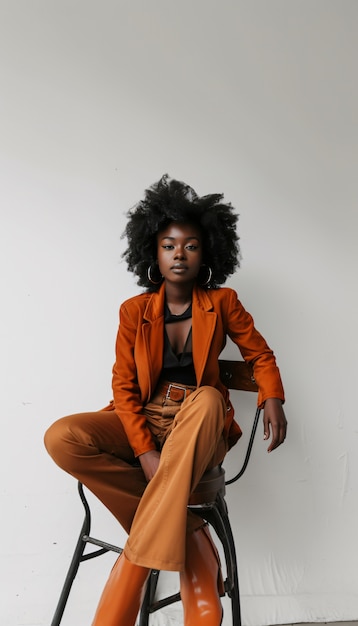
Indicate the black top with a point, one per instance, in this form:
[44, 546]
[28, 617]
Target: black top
[178, 368]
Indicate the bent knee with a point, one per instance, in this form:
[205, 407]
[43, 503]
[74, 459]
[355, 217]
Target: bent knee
[53, 437]
[59, 441]
[212, 394]
[212, 398]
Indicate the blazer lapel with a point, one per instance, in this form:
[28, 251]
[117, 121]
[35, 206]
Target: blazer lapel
[153, 338]
[204, 322]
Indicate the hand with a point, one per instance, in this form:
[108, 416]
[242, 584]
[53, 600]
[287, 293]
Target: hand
[275, 423]
[149, 462]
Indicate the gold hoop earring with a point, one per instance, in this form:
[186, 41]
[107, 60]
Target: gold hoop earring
[149, 274]
[210, 274]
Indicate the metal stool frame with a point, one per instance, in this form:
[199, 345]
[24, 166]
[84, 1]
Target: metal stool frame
[235, 375]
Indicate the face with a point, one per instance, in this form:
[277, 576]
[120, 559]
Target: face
[179, 252]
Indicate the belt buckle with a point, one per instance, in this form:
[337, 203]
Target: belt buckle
[173, 386]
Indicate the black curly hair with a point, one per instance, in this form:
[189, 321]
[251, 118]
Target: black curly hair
[168, 201]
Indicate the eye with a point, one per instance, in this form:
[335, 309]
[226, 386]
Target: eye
[192, 246]
[167, 246]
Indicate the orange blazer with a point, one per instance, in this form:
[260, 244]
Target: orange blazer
[216, 315]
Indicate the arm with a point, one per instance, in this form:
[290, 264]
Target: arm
[255, 350]
[128, 403]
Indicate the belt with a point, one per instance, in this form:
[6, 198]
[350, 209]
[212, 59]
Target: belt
[174, 391]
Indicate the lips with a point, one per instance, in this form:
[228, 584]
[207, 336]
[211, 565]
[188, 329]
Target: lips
[179, 266]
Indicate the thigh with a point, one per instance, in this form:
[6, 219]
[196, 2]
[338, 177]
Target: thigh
[205, 410]
[100, 430]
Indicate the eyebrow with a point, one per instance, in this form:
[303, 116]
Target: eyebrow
[186, 238]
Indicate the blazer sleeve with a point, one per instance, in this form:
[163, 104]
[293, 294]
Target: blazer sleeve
[254, 350]
[126, 391]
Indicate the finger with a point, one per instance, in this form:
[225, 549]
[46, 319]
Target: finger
[283, 432]
[273, 445]
[278, 437]
[275, 431]
[266, 428]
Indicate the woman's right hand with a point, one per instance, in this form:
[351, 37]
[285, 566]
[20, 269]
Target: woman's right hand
[149, 462]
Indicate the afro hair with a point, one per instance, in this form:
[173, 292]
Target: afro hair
[168, 201]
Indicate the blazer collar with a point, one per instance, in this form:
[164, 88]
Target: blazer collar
[202, 299]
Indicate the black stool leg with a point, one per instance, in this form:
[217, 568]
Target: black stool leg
[234, 592]
[231, 561]
[148, 597]
[217, 516]
[71, 574]
[75, 562]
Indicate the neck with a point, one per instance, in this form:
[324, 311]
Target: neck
[178, 295]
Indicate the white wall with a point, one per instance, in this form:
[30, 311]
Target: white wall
[254, 98]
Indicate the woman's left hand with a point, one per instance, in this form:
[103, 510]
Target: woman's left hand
[275, 423]
[149, 462]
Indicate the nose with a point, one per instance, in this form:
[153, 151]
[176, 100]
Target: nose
[180, 252]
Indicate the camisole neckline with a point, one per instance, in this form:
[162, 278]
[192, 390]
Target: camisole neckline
[171, 317]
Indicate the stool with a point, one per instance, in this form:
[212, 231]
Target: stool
[207, 500]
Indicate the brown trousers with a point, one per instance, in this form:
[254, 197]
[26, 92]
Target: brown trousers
[94, 448]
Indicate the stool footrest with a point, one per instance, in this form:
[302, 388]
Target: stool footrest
[107, 547]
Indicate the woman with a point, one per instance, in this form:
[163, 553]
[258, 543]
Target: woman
[171, 417]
